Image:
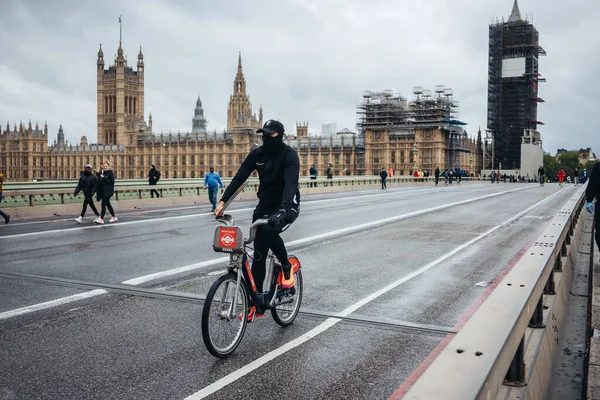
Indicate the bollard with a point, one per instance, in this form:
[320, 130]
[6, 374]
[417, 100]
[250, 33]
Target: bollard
[515, 376]
[550, 285]
[537, 319]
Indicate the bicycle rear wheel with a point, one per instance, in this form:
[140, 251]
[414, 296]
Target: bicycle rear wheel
[287, 306]
[222, 331]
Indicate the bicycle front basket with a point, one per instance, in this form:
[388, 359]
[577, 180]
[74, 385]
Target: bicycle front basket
[228, 239]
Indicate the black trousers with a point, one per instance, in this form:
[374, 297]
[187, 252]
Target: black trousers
[313, 178]
[267, 237]
[89, 200]
[154, 192]
[383, 185]
[597, 222]
[106, 204]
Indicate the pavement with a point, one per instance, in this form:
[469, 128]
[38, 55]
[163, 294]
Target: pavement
[593, 372]
[387, 276]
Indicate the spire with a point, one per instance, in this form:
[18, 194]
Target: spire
[515, 15]
[140, 63]
[240, 61]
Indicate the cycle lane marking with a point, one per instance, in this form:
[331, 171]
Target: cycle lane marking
[187, 268]
[330, 322]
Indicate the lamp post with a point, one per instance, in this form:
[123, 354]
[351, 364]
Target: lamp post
[415, 153]
[471, 163]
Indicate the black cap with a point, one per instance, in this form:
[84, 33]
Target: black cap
[272, 126]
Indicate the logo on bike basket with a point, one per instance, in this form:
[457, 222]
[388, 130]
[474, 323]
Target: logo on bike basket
[227, 237]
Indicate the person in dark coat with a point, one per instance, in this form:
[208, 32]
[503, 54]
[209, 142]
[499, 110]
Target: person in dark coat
[153, 177]
[593, 192]
[87, 184]
[437, 175]
[106, 186]
[383, 174]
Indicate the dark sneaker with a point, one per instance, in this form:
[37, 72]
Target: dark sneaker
[288, 277]
[7, 219]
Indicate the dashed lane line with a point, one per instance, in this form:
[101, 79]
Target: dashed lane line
[307, 240]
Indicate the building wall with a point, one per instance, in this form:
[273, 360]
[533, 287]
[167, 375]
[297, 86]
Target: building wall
[128, 142]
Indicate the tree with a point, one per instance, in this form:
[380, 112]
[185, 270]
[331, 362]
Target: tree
[551, 166]
[588, 166]
[569, 160]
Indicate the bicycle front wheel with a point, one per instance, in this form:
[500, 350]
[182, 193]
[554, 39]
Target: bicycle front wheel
[287, 306]
[223, 320]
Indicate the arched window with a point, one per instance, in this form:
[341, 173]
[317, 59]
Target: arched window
[135, 105]
[105, 104]
[127, 110]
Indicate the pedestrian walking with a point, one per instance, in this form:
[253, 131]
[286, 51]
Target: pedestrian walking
[561, 177]
[437, 175]
[153, 178]
[576, 176]
[3, 214]
[383, 174]
[329, 173]
[106, 188]
[213, 181]
[541, 175]
[313, 175]
[87, 184]
[593, 192]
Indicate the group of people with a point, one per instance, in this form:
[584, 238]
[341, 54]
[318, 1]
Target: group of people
[313, 173]
[100, 182]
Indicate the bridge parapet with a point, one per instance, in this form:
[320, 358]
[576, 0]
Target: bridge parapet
[510, 341]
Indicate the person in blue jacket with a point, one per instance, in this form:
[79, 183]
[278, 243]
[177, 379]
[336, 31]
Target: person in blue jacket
[213, 181]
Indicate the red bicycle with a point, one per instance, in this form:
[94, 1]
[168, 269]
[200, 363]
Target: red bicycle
[225, 311]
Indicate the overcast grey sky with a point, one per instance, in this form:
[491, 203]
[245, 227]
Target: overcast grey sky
[303, 60]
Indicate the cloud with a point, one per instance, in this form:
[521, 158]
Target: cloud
[302, 59]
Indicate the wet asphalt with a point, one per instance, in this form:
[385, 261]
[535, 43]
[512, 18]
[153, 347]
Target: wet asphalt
[125, 346]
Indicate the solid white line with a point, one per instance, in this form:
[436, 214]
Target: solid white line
[51, 303]
[246, 369]
[151, 220]
[204, 264]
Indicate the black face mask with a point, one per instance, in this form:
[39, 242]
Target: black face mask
[272, 144]
[87, 172]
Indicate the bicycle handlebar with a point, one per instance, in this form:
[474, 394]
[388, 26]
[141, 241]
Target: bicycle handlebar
[254, 228]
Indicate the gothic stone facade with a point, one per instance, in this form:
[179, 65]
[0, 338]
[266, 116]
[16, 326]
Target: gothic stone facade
[131, 146]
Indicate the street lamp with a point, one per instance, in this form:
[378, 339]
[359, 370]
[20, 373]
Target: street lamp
[415, 153]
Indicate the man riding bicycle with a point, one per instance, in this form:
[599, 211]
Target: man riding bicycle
[278, 169]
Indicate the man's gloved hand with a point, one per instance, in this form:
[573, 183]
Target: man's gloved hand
[589, 206]
[278, 219]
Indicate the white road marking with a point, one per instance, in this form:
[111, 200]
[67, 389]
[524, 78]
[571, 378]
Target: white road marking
[328, 323]
[51, 303]
[204, 264]
[151, 220]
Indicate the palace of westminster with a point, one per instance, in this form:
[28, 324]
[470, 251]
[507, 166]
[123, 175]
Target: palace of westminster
[393, 133]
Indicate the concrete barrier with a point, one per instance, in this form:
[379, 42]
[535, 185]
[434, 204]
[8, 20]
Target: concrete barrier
[61, 202]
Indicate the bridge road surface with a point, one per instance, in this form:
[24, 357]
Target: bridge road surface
[402, 285]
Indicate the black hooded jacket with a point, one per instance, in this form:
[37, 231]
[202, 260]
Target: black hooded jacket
[278, 175]
[593, 188]
[87, 184]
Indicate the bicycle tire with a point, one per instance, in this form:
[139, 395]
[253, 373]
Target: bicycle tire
[278, 314]
[209, 341]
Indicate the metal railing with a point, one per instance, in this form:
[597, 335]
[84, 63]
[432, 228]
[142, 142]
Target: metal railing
[23, 194]
[489, 350]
